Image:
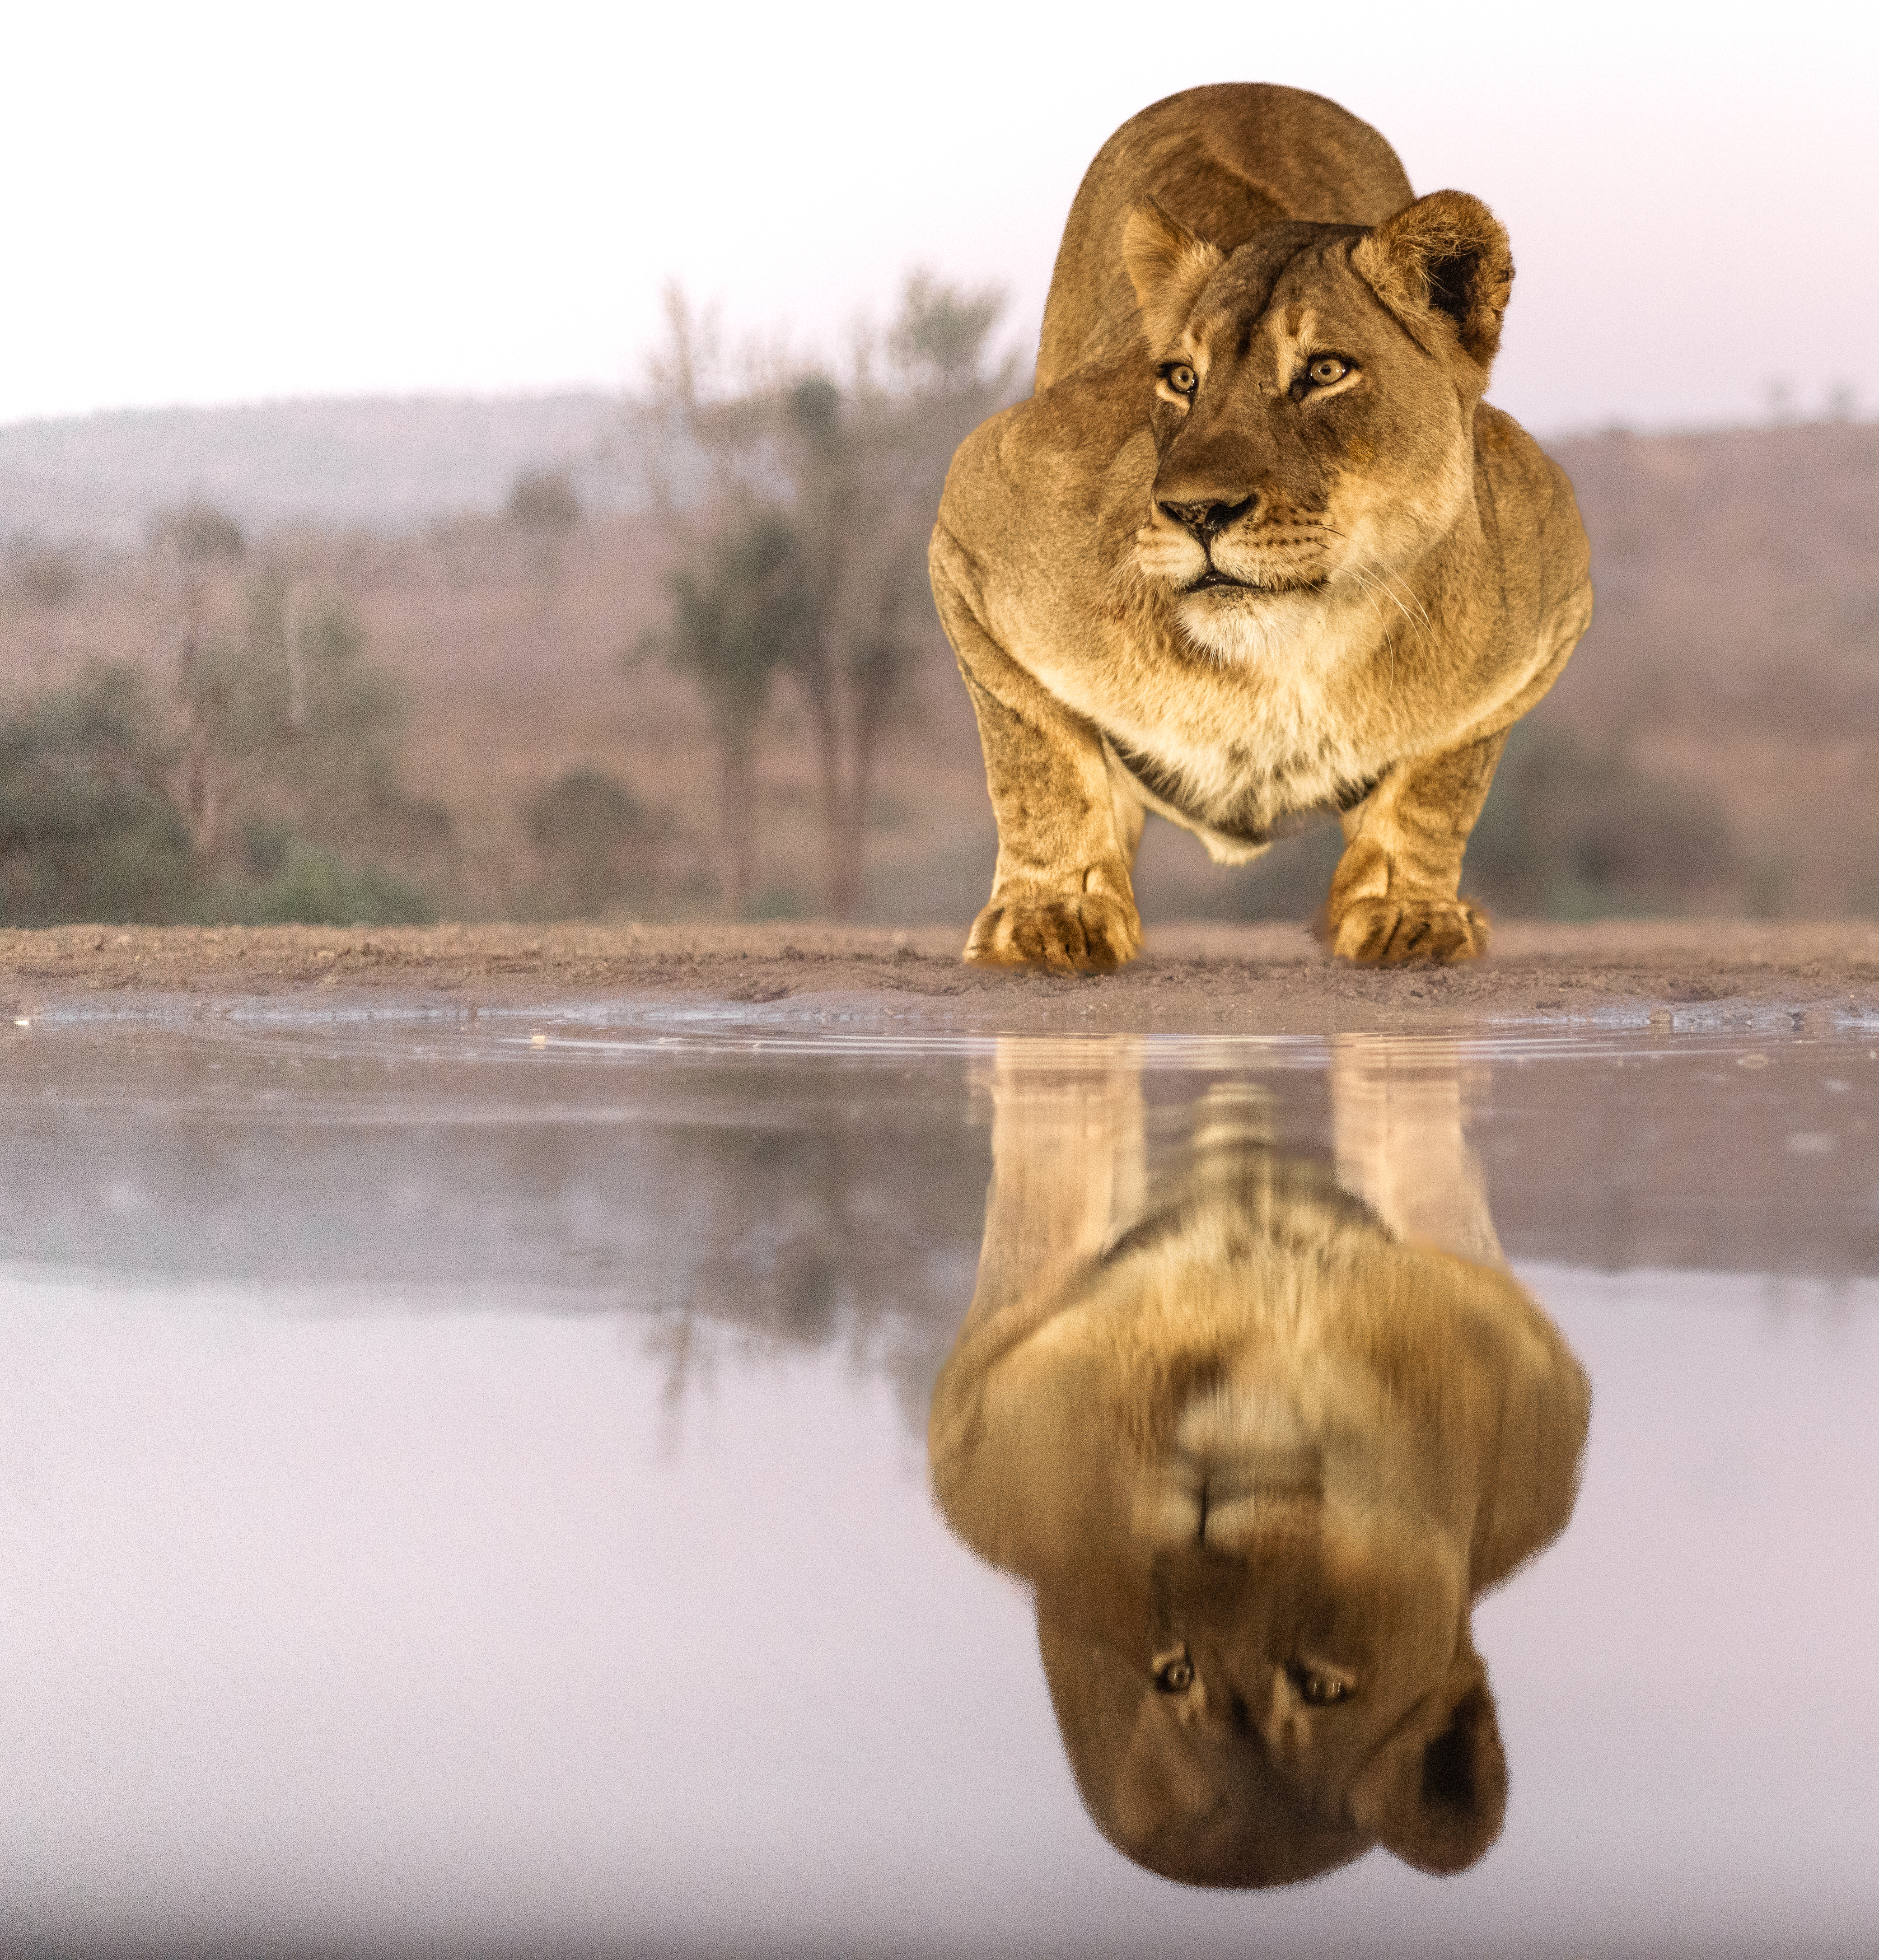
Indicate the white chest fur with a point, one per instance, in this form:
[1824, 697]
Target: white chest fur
[1272, 732]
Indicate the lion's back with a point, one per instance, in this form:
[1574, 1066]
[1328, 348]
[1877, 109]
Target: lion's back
[1225, 160]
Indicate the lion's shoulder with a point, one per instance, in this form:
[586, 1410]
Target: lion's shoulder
[1022, 476]
[1544, 536]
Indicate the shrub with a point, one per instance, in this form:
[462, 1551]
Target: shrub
[546, 502]
[313, 887]
[596, 846]
[87, 829]
[1573, 832]
[197, 532]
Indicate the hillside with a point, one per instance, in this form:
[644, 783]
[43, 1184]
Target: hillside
[373, 463]
[1735, 648]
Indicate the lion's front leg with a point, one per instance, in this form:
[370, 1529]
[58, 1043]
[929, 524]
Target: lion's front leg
[1061, 894]
[1394, 895]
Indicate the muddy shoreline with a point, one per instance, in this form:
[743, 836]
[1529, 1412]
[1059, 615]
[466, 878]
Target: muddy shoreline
[1203, 978]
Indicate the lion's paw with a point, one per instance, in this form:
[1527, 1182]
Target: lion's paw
[1089, 929]
[1383, 932]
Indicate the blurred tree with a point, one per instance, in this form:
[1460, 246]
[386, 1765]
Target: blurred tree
[869, 472]
[202, 543]
[285, 717]
[938, 340]
[846, 480]
[741, 608]
[312, 743]
[43, 576]
[195, 534]
[1573, 832]
[545, 507]
[255, 789]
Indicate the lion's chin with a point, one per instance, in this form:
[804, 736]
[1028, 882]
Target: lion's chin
[1238, 624]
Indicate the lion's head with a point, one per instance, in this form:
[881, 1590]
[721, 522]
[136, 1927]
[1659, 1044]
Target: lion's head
[1314, 398]
[1256, 1460]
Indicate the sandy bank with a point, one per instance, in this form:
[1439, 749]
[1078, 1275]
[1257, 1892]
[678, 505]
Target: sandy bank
[1263, 978]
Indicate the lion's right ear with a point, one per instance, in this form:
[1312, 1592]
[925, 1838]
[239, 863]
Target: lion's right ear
[1436, 1792]
[1444, 258]
[1168, 266]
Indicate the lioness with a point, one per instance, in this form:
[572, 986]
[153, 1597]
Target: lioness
[1258, 1445]
[1255, 546]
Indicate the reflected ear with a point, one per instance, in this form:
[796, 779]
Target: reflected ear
[1445, 258]
[1436, 1792]
[1168, 266]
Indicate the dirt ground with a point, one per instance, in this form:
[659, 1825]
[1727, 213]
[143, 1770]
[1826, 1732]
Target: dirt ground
[1203, 978]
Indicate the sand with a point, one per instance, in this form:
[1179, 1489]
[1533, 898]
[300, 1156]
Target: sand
[1194, 978]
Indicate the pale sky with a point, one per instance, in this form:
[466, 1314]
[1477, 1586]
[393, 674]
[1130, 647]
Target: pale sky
[213, 204]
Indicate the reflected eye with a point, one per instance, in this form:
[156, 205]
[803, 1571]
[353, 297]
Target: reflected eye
[1315, 1689]
[1323, 369]
[1181, 378]
[1174, 1673]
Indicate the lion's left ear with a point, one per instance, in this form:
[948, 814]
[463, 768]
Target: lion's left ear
[1168, 266]
[1445, 258]
[1436, 1792]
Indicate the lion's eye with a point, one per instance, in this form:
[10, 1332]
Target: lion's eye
[1174, 1673]
[1315, 1689]
[1181, 378]
[1324, 369]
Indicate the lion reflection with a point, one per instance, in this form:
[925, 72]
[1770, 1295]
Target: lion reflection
[1257, 1444]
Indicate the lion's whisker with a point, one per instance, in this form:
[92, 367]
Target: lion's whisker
[1368, 587]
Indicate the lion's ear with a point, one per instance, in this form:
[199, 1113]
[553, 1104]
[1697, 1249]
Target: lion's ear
[1445, 257]
[1168, 266]
[1436, 1792]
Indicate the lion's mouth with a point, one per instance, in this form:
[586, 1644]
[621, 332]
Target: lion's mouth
[1214, 580]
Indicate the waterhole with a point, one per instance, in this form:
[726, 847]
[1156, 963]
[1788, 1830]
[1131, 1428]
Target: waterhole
[466, 1481]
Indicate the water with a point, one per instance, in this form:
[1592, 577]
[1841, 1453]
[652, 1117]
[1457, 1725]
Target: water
[467, 1485]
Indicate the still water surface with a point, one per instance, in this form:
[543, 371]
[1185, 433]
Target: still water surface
[467, 1484]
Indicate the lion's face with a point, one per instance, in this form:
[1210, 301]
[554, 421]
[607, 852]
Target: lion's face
[1303, 1584]
[1238, 1721]
[1313, 399]
[1275, 1582]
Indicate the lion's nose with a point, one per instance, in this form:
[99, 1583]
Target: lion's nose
[1207, 520]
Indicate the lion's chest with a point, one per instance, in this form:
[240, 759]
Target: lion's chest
[1250, 787]
[1243, 748]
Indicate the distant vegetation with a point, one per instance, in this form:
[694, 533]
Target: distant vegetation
[261, 783]
[546, 502]
[738, 701]
[88, 827]
[1574, 831]
[597, 848]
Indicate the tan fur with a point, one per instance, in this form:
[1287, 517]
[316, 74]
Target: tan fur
[1395, 573]
[1249, 1419]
